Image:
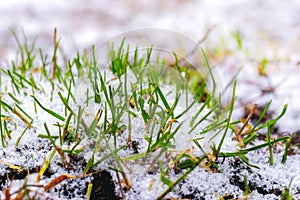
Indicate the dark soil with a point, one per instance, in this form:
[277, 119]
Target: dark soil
[103, 187]
[236, 179]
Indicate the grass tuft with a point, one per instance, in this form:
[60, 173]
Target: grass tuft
[172, 102]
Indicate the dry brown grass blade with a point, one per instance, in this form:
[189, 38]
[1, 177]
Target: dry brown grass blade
[120, 185]
[58, 180]
[239, 132]
[113, 79]
[20, 195]
[151, 184]
[126, 180]
[168, 124]
[63, 158]
[248, 118]
[22, 117]
[131, 103]
[6, 191]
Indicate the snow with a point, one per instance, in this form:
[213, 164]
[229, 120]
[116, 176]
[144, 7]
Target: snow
[268, 29]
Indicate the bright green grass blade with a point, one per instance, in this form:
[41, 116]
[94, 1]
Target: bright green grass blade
[229, 118]
[48, 110]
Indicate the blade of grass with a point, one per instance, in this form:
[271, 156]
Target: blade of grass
[94, 122]
[210, 71]
[45, 165]
[257, 147]
[65, 102]
[66, 127]
[48, 110]
[180, 178]
[228, 121]
[89, 191]
[19, 138]
[262, 115]
[198, 112]
[270, 145]
[23, 111]
[14, 81]
[287, 144]
[1, 127]
[14, 98]
[162, 97]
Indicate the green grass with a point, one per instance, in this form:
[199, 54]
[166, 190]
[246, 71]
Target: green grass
[143, 96]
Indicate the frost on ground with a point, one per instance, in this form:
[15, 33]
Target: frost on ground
[269, 33]
[268, 182]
